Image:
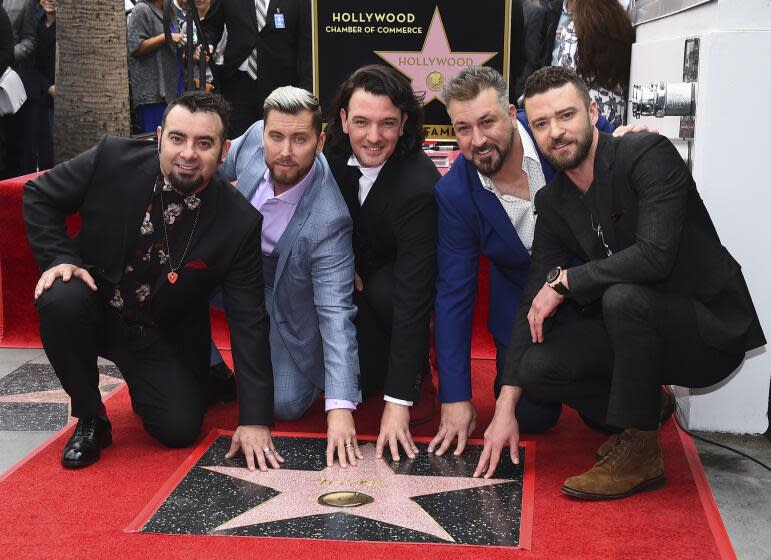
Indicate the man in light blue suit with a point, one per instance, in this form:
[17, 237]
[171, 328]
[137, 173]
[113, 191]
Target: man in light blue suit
[308, 263]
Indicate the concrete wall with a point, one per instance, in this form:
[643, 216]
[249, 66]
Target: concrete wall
[731, 162]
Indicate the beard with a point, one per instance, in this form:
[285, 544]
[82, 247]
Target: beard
[190, 184]
[492, 164]
[566, 161]
[287, 177]
[185, 185]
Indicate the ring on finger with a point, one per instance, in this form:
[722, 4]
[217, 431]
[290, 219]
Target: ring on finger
[267, 450]
[349, 445]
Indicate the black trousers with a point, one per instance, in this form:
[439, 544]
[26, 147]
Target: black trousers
[246, 97]
[610, 366]
[533, 416]
[166, 385]
[374, 321]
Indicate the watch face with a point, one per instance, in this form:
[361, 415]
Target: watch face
[553, 275]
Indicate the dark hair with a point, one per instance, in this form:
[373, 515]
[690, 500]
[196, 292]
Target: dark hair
[202, 101]
[473, 80]
[550, 77]
[378, 80]
[291, 101]
[604, 36]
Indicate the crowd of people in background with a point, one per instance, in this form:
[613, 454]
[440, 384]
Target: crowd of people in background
[592, 37]
[28, 35]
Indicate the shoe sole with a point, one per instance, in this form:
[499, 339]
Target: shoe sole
[650, 484]
[80, 464]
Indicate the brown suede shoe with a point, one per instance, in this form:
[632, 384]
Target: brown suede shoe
[666, 409]
[633, 464]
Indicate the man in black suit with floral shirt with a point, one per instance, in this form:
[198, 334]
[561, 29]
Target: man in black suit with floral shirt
[161, 230]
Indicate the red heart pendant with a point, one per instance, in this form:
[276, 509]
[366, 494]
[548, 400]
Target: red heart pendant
[172, 276]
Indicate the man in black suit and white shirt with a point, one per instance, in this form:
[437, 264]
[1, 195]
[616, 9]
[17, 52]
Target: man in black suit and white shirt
[629, 289]
[161, 230]
[374, 148]
[268, 46]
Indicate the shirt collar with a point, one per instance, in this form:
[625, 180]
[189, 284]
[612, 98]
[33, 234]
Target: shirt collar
[528, 152]
[293, 195]
[528, 147]
[370, 173]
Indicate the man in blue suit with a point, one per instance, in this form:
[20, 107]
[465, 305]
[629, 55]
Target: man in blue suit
[307, 261]
[485, 205]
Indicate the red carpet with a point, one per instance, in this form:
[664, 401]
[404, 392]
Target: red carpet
[53, 513]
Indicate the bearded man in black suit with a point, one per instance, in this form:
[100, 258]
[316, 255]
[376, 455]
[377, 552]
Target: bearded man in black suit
[629, 289]
[161, 230]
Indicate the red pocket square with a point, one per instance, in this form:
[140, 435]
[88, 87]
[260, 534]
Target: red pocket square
[197, 264]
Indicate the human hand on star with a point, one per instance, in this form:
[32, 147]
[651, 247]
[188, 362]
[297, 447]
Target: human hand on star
[503, 430]
[255, 441]
[458, 420]
[395, 430]
[341, 436]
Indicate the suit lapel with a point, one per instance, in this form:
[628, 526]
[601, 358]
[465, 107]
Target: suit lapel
[603, 187]
[576, 213]
[577, 216]
[135, 210]
[252, 174]
[490, 207]
[300, 216]
[378, 198]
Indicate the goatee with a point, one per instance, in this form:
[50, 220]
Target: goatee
[185, 186]
[492, 164]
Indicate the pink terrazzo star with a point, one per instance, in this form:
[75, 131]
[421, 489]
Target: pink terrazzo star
[300, 491]
[106, 384]
[436, 63]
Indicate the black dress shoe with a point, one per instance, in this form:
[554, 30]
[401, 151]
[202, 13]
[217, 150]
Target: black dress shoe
[91, 436]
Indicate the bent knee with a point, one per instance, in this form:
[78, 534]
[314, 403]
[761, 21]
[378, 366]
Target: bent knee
[624, 298]
[537, 366]
[66, 300]
[535, 417]
[175, 430]
[292, 407]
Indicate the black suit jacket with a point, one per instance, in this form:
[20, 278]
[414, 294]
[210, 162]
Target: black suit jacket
[661, 235]
[110, 185]
[550, 32]
[397, 226]
[284, 54]
[534, 34]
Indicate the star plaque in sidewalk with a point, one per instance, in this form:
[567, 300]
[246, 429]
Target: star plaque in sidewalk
[426, 499]
[32, 398]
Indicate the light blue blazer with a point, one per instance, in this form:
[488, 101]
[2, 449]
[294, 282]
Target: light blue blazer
[311, 304]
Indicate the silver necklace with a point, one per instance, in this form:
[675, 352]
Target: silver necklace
[598, 230]
[173, 275]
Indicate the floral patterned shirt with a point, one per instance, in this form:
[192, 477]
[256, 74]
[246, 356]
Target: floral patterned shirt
[611, 103]
[149, 258]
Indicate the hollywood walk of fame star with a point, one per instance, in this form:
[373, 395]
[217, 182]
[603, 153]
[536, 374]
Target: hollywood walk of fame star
[391, 493]
[435, 63]
[106, 384]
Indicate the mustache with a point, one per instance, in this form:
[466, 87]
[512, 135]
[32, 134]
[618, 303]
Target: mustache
[484, 148]
[563, 140]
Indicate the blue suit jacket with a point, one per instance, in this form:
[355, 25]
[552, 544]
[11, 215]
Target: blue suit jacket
[312, 307]
[472, 222]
